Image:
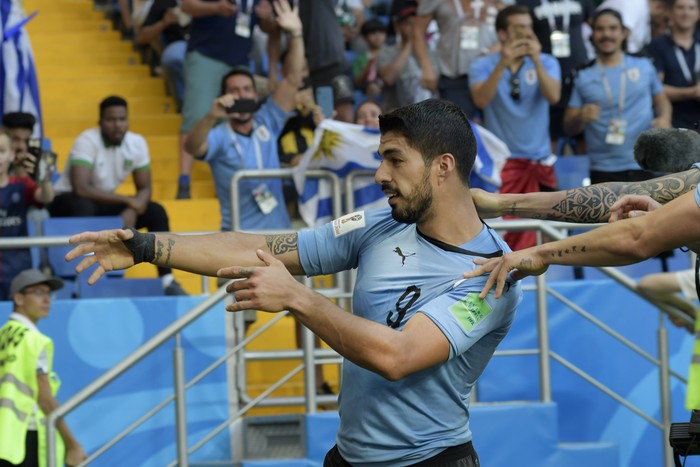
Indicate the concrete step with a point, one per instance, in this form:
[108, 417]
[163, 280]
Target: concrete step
[59, 5]
[82, 47]
[60, 73]
[146, 125]
[97, 88]
[92, 24]
[107, 57]
[69, 37]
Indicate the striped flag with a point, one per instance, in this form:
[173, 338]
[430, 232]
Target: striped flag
[344, 147]
[18, 79]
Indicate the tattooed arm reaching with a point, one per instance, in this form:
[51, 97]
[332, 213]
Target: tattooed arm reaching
[200, 254]
[589, 204]
[629, 241]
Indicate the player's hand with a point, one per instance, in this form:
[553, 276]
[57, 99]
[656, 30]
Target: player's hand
[75, 455]
[220, 106]
[518, 263]
[632, 206]
[266, 288]
[487, 204]
[105, 247]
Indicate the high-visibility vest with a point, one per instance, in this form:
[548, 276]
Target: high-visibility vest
[20, 348]
[692, 398]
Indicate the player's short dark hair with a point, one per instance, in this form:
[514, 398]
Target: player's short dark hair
[19, 120]
[434, 127]
[112, 101]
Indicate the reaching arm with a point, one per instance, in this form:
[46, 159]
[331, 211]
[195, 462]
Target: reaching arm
[617, 244]
[379, 348]
[288, 19]
[147, 34]
[429, 78]
[200, 254]
[550, 87]
[589, 204]
[47, 403]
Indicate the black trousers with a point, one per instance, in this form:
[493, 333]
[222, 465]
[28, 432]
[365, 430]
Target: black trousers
[31, 456]
[463, 455]
[154, 219]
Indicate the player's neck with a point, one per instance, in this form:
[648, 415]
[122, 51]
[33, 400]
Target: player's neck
[453, 222]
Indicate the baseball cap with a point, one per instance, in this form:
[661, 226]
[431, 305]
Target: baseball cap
[30, 277]
[406, 12]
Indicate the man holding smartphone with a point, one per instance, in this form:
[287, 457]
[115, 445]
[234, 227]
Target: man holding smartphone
[514, 88]
[247, 139]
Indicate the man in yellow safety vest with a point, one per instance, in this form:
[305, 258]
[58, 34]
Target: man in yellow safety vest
[27, 383]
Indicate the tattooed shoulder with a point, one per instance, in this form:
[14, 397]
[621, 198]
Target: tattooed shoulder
[280, 244]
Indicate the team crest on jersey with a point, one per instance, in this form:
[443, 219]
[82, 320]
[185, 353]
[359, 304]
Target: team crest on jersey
[530, 77]
[15, 198]
[348, 223]
[263, 133]
[633, 74]
[470, 310]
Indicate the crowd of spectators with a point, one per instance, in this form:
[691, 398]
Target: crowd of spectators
[536, 73]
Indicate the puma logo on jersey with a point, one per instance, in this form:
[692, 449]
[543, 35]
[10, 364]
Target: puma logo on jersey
[403, 256]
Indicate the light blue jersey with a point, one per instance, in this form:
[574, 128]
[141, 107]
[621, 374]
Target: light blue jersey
[641, 85]
[523, 124]
[228, 153]
[401, 272]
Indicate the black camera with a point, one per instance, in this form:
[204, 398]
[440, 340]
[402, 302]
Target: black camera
[684, 438]
[44, 161]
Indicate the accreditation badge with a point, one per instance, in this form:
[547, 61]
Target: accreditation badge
[243, 24]
[265, 199]
[616, 131]
[469, 37]
[561, 44]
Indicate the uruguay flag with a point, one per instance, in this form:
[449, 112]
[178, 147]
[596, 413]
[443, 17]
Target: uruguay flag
[344, 147]
[19, 87]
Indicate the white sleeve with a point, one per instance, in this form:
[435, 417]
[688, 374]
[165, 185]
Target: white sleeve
[42, 363]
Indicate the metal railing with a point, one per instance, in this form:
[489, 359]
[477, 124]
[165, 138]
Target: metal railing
[311, 356]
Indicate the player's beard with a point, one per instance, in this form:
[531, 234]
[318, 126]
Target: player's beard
[416, 206]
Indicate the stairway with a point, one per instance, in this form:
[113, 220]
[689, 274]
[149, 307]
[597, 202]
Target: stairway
[504, 435]
[80, 60]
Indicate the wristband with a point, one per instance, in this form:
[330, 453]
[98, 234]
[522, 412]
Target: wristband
[297, 36]
[142, 245]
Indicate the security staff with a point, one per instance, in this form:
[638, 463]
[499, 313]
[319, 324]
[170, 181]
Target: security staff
[27, 382]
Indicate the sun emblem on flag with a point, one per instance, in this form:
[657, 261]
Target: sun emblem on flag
[329, 141]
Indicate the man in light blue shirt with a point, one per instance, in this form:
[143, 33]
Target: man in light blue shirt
[614, 99]
[418, 336]
[247, 139]
[514, 88]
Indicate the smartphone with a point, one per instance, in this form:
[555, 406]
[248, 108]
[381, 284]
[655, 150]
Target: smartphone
[324, 99]
[243, 106]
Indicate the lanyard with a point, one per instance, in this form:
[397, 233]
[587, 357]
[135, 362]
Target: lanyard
[565, 15]
[237, 147]
[684, 64]
[606, 85]
[249, 6]
[477, 5]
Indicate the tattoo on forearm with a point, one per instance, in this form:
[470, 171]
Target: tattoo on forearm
[592, 204]
[567, 251]
[159, 251]
[280, 244]
[171, 242]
